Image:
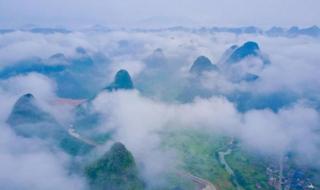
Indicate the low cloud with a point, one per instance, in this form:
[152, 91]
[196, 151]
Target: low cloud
[139, 116]
[138, 122]
[29, 164]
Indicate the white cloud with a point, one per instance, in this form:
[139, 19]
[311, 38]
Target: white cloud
[29, 164]
[138, 119]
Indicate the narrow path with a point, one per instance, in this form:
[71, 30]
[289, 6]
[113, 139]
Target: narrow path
[76, 135]
[203, 184]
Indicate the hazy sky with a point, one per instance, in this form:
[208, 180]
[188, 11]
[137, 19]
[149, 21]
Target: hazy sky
[159, 12]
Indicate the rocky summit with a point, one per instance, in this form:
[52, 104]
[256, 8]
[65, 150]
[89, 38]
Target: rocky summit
[247, 49]
[115, 170]
[202, 64]
[122, 80]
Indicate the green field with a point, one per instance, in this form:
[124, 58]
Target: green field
[250, 170]
[198, 151]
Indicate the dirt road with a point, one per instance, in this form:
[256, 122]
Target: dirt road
[203, 184]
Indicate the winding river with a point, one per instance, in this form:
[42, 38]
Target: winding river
[227, 167]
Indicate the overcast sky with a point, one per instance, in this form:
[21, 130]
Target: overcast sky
[126, 13]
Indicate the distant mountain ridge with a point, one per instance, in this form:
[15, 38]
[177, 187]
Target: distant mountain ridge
[77, 69]
[313, 31]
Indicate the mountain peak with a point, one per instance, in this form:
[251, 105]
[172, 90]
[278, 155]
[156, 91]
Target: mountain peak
[122, 80]
[28, 96]
[116, 169]
[25, 100]
[249, 48]
[118, 147]
[202, 64]
[156, 60]
[251, 45]
[25, 110]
